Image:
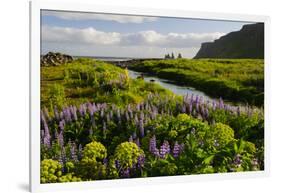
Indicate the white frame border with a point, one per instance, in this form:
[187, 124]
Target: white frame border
[34, 81]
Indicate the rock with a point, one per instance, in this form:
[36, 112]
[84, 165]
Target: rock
[246, 43]
[55, 59]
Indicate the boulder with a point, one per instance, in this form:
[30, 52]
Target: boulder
[55, 59]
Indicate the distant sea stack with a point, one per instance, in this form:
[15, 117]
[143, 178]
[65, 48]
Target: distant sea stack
[246, 43]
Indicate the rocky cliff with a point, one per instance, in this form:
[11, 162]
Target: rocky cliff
[246, 43]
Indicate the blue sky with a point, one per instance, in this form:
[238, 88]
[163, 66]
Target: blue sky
[93, 34]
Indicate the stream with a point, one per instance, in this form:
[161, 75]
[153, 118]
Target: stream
[179, 90]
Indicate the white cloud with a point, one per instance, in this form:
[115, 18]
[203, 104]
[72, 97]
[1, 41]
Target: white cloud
[79, 36]
[143, 38]
[95, 16]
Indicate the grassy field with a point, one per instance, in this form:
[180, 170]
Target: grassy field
[97, 123]
[87, 80]
[232, 79]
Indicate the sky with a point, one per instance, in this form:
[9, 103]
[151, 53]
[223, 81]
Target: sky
[112, 35]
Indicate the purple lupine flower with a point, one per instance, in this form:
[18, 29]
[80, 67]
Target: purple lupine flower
[118, 115]
[60, 159]
[191, 98]
[98, 105]
[237, 161]
[129, 108]
[181, 147]
[102, 113]
[125, 173]
[201, 100]
[107, 118]
[238, 111]
[60, 139]
[183, 110]
[80, 152]
[203, 112]
[73, 152]
[63, 155]
[74, 112]
[117, 164]
[93, 120]
[197, 103]
[141, 128]
[142, 116]
[206, 113]
[67, 114]
[61, 125]
[152, 144]
[134, 135]
[138, 107]
[166, 143]
[105, 161]
[47, 141]
[46, 113]
[127, 116]
[176, 150]
[141, 160]
[226, 107]
[221, 105]
[185, 98]
[156, 152]
[249, 112]
[131, 114]
[136, 120]
[130, 139]
[104, 127]
[91, 131]
[164, 149]
[42, 134]
[56, 134]
[137, 142]
[162, 152]
[92, 108]
[47, 136]
[43, 119]
[190, 108]
[111, 114]
[56, 112]
[214, 105]
[148, 107]
[81, 110]
[61, 115]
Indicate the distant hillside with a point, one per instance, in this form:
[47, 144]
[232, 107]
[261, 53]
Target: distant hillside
[246, 43]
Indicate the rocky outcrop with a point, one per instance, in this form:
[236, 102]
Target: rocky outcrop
[246, 43]
[55, 59]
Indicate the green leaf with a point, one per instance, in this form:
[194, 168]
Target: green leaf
[209, 159]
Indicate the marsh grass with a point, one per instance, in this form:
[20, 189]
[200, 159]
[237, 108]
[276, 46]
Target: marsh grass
[233, 79]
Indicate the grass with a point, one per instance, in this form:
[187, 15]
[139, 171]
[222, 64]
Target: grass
[87, 80]
[233, 79]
